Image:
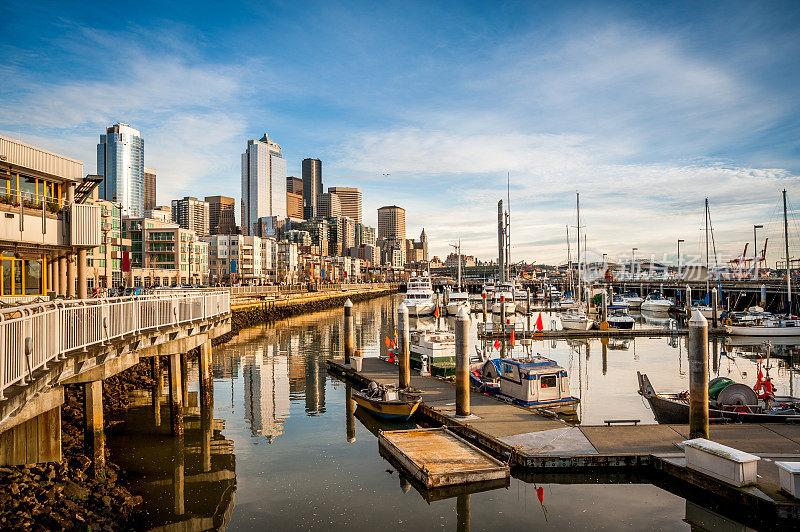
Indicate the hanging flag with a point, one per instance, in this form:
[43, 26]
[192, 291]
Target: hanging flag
[539, 323]
[497, 345]
[512, 338]
[436, 311]
[540, 494]
[388, 343]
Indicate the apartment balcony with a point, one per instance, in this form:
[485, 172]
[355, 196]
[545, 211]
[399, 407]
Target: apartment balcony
[35, 221]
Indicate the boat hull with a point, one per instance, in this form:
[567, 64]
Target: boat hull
[755, 330]
[656, 308]
[386, 409]
[453, 308]
[576, 324]
[420, 309]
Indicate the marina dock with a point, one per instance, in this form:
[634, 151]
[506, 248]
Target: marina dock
[534, 441]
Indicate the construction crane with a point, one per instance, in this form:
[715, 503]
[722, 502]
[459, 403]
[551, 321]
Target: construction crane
[740, 262]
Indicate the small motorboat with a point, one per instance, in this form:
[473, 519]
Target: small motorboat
[656, 303]
[387, 402]
[617, 302]
[633, 299]
[620, 319]
[576, 322]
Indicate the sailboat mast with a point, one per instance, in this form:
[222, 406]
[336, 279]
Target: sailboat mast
[459, 265]
[706, 214]
[569, 263]
[580, 286]
[508, 226]
[788, 261]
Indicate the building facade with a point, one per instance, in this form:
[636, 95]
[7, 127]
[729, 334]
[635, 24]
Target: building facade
[105, 261]
[294, 185]
[191, 213]
[328, 205]
[364, 234]
[164, 254]
[350, 199]
[120, 160]
[294, 205]
[263, 183]
[149, 189]
[221, 215]
[312, 186]
[392, 222]
[161, 212]
[234, 259]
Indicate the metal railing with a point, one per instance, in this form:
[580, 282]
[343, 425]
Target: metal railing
[31, 336]
[247, 291]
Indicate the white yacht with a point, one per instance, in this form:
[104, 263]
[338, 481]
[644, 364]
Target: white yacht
[656, 302]
[576, 321]
[419, 296]
[456, 301]
[504, 296]
[633, 299]
[619, 319]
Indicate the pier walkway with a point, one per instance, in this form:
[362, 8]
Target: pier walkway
[531, 440]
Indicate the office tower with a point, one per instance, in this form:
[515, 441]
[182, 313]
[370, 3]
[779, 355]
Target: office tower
[294, 205]
[221, 217]
[351, 201]
[312, 186]
[263, 183]
[149, 189]
[294, 185]
[191, 213]
[392, 222]
[120, 160]
[328, 205]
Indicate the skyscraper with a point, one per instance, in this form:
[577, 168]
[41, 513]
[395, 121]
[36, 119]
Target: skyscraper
[191, 213]
[312, 186]
[392, 222]
[328, 205]
[221, 218]
[263, 183]
[120, 160]
[294, 185]
[351, 201]
[149, 189]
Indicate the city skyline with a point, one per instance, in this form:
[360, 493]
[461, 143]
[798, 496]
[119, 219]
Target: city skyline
[633, 107]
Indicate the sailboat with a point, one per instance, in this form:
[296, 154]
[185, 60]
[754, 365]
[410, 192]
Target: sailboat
[704, 308]
[760, 323]
[577, 319]
[458, 299]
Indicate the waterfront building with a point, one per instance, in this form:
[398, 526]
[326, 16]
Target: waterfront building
[319, 230]
[221, 215]
[287, 264]
[364, 234]
[328, 205]
[263, 183]
[302, 238]
[47, 229]
[392, 222]
[350, 199]
[120, 160]
[312, 186]
[161, 212]
[368, 253]
[149, 189]
[191, 213]
[240, 259]
[294, 205]
[104, 262]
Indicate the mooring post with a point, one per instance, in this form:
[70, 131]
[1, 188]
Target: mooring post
[484, 297]
[349, 343]
[175, 396]
[763, 301]
[206, 379]
[350, 412]
[403, 347]
[604, 307]
[93, 437]
[714, 306]
[158, 389]
[528, 304]
[462, 364]
[698, 376]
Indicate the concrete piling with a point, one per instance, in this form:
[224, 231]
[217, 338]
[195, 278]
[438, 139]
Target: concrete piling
[175, 395]
[688, 301]
[403, 347]
[462, 364]
[349, 341]
[714, 306]
[206, 378]
[158, 389]
[698, 376]
[94, 438]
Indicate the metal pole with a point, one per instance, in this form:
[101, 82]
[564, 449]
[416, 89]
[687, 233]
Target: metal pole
[604, 308]
[349, 343]
[698, 376]
[403, 347]
[688, 300]
[462, 364]
[503, 326]
[714, 315]
[788, 259]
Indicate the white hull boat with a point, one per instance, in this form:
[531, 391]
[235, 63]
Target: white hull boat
[634, 301]
[576, 322]
[656, 303]
[419, 296]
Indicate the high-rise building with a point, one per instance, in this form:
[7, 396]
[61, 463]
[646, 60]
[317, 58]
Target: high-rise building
[328, 205]
[263, 183]
[351, 201]
[294, 185]
[221, 215]
[120, 160]
[312, 186]
[294, 205]
[392, 222]
[149, 189]
[191, 213]
[364, 235]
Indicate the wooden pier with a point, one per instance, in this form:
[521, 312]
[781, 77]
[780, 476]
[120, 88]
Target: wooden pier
[531, 440]
[650, 332]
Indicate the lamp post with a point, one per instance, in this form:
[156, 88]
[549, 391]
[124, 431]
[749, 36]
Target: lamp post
[633, 262]
[679, 256]
[755, 251]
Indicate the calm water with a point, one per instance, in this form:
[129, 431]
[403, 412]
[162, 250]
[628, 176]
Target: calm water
[282, 455]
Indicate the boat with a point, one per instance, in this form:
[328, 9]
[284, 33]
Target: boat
[633, 299]
[575, 321]
[431, 351]
[656, 302]
[534, 381]
[476, 302]
[728, 400]
[459, 299]
[504, 296]
[419, 296]
[620, 319]
[706, 310]
[617, 302]
[387, 402]
[753, 323]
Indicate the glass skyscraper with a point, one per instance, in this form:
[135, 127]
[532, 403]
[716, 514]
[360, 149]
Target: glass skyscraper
[120, 160]
[263, 184]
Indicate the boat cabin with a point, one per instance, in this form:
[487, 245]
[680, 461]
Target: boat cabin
[531, 381]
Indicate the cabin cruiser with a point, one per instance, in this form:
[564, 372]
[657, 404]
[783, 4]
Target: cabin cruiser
[456, 301]
[419, 296]
[617, 302]
[504, 296]
[433, 351]
[620, 319]
[633, 299]
[656, 302]
[756, 322]
[575, 321]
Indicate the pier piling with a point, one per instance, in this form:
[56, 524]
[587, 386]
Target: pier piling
[698, 376]
[462, 364]
[175, 396]
[350, 411]
[349, 343]
[94, 441]
[403, 348]
[158, 389]
[206, 379]
[715, 311]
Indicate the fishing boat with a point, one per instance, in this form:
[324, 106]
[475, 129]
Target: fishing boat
[419, 296]
[576, 321]
[387, 402]
[727, 400]
[534, 381]
[656, 303]
[633, 299]
[620, 319]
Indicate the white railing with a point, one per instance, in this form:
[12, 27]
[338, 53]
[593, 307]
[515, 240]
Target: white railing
[31, 336]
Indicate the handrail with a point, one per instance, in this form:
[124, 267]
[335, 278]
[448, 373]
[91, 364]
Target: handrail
[45, 332]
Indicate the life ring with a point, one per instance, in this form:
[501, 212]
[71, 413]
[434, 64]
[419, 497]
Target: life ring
[728, 322]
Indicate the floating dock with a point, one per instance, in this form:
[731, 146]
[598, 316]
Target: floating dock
[437, 457]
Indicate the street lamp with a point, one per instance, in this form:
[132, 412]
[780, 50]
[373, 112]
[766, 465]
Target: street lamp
[755, 251]
[633, 262]
[679, 256]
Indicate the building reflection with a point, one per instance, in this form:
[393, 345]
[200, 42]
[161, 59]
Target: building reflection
[266, 390]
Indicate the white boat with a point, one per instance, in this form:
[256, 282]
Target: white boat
[756, 322]
[476, 302]
[617, 301]
[706, 310]
[456, 301]
[567, 303]
[633, 300]
[419, 296]
[576, 322]
[504, 296]
[656, 303]
[620, 319]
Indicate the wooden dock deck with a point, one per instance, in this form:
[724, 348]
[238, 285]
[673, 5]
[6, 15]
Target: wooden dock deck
[534, 441]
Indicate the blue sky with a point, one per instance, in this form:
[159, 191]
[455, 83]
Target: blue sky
[645, 108]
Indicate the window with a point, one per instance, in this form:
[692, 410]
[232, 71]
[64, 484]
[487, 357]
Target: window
[548, 381]
[508, 370]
